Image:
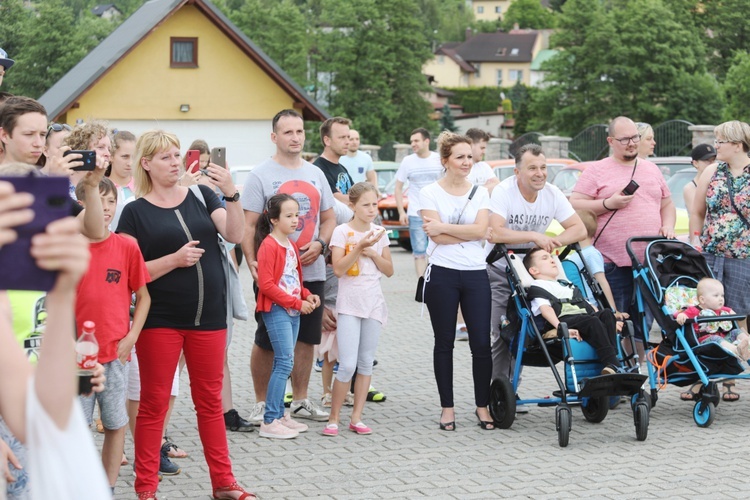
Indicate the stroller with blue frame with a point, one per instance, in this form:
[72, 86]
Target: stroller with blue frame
[581, 383]
[670, 268]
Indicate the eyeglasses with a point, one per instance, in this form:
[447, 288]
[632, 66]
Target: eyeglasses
[718, 142]
[59, 127]
[626, 140]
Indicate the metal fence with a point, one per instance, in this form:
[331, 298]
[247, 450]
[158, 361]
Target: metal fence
[590, 144]
[527, 138]
[387, 152]
[673, 138]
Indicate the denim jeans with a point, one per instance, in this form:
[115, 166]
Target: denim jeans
[282, 331]
[417, 236]
[620, 280]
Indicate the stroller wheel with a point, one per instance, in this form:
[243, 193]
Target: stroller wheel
[502, 403]
[703, 413]
[595, 409]
[563, 424]
[640, 414]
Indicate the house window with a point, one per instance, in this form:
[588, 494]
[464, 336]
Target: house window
[183, 52]
[515, 75]
[499, 78]
[441, 59]
[478, 68]
[514, 52]
[498, 10]
[480, 9]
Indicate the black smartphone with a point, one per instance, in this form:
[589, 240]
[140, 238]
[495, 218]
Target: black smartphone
[631, 188]
[51, 202]
[87, 157]
[219, 157]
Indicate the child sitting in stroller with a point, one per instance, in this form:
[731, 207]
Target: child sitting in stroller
[710, 293]
[559, 301]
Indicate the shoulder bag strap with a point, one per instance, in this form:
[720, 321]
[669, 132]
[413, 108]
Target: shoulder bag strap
[593, 243]
[730, 188]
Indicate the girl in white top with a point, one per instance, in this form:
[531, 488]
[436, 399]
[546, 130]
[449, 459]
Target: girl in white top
[360, 303]
[456, 215]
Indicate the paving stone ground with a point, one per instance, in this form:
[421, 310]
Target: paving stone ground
[408, 457]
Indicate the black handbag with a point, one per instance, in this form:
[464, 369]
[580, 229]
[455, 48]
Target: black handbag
[419, 295]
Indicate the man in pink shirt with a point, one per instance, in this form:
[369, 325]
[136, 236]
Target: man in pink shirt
[649, 211]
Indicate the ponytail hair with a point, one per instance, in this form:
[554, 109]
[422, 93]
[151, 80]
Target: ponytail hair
[273, 211]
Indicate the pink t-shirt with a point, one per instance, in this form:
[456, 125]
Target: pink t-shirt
[642, 217]
[361, 296]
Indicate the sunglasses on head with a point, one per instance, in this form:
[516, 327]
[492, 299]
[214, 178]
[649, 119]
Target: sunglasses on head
[58, 127]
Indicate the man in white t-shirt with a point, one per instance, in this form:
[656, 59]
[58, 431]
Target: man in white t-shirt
[481, 173]
[521, 209]
[420, 169]
[358, 163]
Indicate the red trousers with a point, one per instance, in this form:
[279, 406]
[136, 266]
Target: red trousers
[158, 354]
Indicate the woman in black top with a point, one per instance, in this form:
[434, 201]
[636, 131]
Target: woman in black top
[178, 235]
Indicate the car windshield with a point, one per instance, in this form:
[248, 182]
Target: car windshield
[240, 175]
[566, 180]
[503, 173]
[677, 182]
[390, 188]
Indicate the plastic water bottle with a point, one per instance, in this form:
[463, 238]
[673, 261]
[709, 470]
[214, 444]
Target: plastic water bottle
[504, 321]
[354, 270]
[87, 355]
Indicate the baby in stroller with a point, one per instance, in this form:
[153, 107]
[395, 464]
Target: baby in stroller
[559, 301]
[710, 295]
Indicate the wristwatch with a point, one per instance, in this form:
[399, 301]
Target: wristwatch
[233, 198]
[323, 244]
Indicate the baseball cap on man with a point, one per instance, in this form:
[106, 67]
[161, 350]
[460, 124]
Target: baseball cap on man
[703, 152]
[5, 61]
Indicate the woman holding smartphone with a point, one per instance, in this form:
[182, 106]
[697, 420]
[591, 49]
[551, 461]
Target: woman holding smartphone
[178, 233]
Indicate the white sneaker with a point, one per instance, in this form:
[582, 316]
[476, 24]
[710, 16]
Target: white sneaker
[306, 409]
[256, 415]
[277, 430]
[461, 332]
[287, 421]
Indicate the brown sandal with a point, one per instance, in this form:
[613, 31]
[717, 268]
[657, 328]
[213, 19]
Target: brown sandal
[234, 487]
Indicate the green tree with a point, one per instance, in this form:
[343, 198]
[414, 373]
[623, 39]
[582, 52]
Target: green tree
[52, 44]
[374, 51]
[726, 31]
[736, 88]
[15, 20]
[634, 59]
[280, 29]
[446, 120]
[527, 14]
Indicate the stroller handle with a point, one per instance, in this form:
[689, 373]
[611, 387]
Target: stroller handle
[716, 319]
[639, 239]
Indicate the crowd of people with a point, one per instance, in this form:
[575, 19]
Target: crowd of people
[155, 234]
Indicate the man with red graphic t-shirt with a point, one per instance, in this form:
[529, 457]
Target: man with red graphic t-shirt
[287, 172]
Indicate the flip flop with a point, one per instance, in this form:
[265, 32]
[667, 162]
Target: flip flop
[691, 393]
[729, 395]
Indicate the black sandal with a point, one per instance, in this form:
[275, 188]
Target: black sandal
[487, 425]
[447, 426]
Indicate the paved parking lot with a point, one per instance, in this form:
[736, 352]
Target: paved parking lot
[408, 457]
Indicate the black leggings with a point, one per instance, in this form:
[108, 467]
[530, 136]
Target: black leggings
[599, 330]
[444, 292]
